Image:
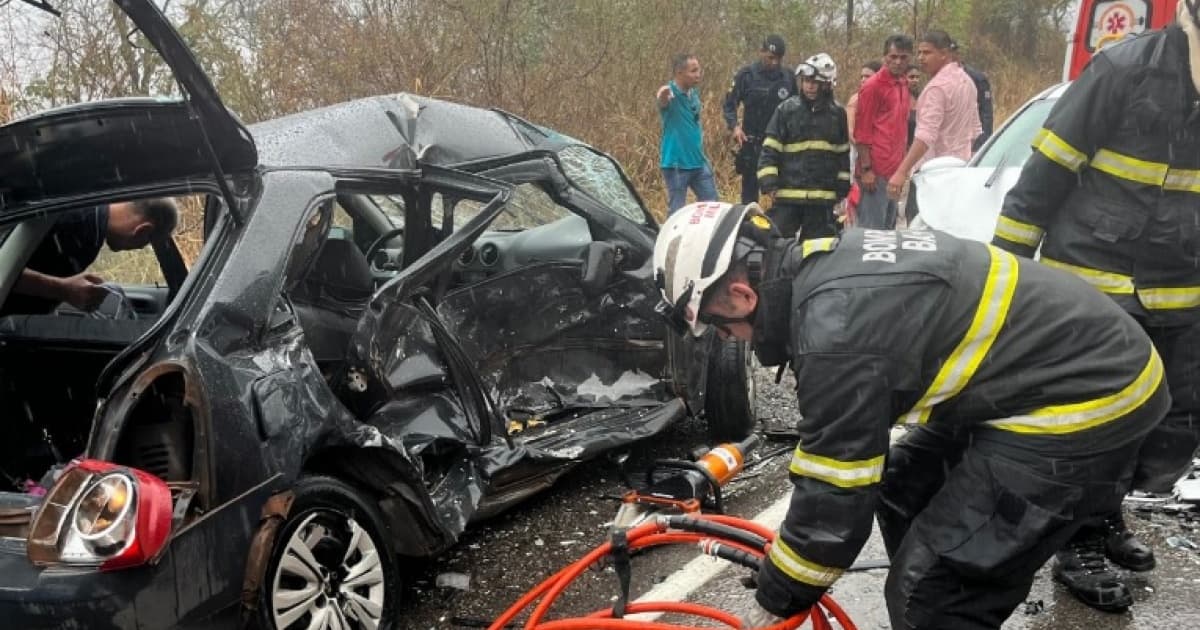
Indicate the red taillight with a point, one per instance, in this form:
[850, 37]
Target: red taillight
[102, 514]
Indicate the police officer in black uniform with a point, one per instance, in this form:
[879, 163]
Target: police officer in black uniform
[759, 87]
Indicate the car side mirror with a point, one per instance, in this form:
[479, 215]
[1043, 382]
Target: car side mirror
[598, 266]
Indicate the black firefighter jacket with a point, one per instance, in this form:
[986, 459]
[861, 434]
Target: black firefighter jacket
[806, 152]
[1112, 190]
[991, 343]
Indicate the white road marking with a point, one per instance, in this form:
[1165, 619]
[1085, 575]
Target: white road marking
[696, 573]
[700, 570]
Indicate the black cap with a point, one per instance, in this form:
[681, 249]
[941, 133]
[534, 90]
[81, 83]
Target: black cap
[774, 45]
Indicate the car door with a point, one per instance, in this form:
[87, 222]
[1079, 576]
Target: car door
[555, 305]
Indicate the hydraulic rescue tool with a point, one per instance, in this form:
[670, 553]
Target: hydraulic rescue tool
[669, 510]
[683, 486]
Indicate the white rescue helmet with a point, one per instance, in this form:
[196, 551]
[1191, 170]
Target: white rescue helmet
[822, 68]
[695, 247]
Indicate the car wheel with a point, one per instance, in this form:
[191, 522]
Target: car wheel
[729, 399]
[331, 566]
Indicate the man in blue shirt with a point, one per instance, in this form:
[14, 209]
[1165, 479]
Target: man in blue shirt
[683, 162]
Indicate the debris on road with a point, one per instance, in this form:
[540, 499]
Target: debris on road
[1188, 490]
[1179, 542]
[456, 581]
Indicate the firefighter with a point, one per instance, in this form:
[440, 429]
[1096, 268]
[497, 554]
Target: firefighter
[805, 161]
[1112, 194]
[1025, 390]
[759, 88]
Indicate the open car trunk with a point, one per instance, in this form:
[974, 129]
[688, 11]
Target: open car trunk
[49, 366]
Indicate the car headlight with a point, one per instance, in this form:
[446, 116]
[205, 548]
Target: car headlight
[101, 514]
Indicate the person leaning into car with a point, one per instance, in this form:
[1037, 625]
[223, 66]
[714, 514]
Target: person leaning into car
[56, 272]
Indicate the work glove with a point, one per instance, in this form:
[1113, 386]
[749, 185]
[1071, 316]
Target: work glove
[758, 617]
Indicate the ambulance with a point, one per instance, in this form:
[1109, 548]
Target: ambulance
[1102, 22]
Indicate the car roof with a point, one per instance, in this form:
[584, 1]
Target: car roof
[392, 131]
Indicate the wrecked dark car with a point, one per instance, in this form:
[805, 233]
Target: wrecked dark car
[407, 315]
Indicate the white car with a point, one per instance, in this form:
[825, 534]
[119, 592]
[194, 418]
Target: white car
[964, 198]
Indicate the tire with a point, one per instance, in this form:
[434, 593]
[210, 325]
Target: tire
[344, 534]
[729, 399]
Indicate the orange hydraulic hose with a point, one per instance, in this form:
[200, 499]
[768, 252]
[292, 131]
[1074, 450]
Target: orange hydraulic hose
[652, 534]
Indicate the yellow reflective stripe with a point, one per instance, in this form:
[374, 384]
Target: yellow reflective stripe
[1052, 146]
[1059, 419]
[1018, 232]
[799, 193]
[843, 474]
[989, 317]
[813, 145]
[767, 170]
[1129, 168]
[817, 245]
[773, 143]
[1105, 281]
[844, 175]
[799, 568]
[1166, 298]
[1186, 180]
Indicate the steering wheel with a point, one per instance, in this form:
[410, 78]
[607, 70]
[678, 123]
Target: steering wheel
[378, 243]
[123, 306]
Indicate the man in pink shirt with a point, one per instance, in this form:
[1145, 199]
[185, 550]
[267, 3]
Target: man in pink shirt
[947, 113]
[881, 133]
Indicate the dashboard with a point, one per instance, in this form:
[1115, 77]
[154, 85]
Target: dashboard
[499, 252]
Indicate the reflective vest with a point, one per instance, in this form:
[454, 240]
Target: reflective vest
[1112, 190]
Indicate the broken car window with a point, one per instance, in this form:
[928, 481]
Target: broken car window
[530, 207]
[599, 177]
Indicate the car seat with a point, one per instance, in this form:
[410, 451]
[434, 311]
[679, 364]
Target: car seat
[331, 297]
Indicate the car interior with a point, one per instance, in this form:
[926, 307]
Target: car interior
[50, 362]
[529, 301]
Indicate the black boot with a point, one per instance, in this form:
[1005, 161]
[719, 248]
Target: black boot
[1082, 568]
[1123, 548]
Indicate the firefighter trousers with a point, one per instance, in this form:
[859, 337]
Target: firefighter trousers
[969, 516]
[1168, 450]
[811, 220]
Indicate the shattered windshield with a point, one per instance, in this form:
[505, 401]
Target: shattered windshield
[598, 176]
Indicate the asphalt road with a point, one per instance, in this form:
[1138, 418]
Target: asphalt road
[497, 561]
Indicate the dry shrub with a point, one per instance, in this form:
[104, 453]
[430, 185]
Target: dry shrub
[585, 67]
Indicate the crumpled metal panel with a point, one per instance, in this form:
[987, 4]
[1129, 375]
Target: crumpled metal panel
[387, 131]
[543, 345]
